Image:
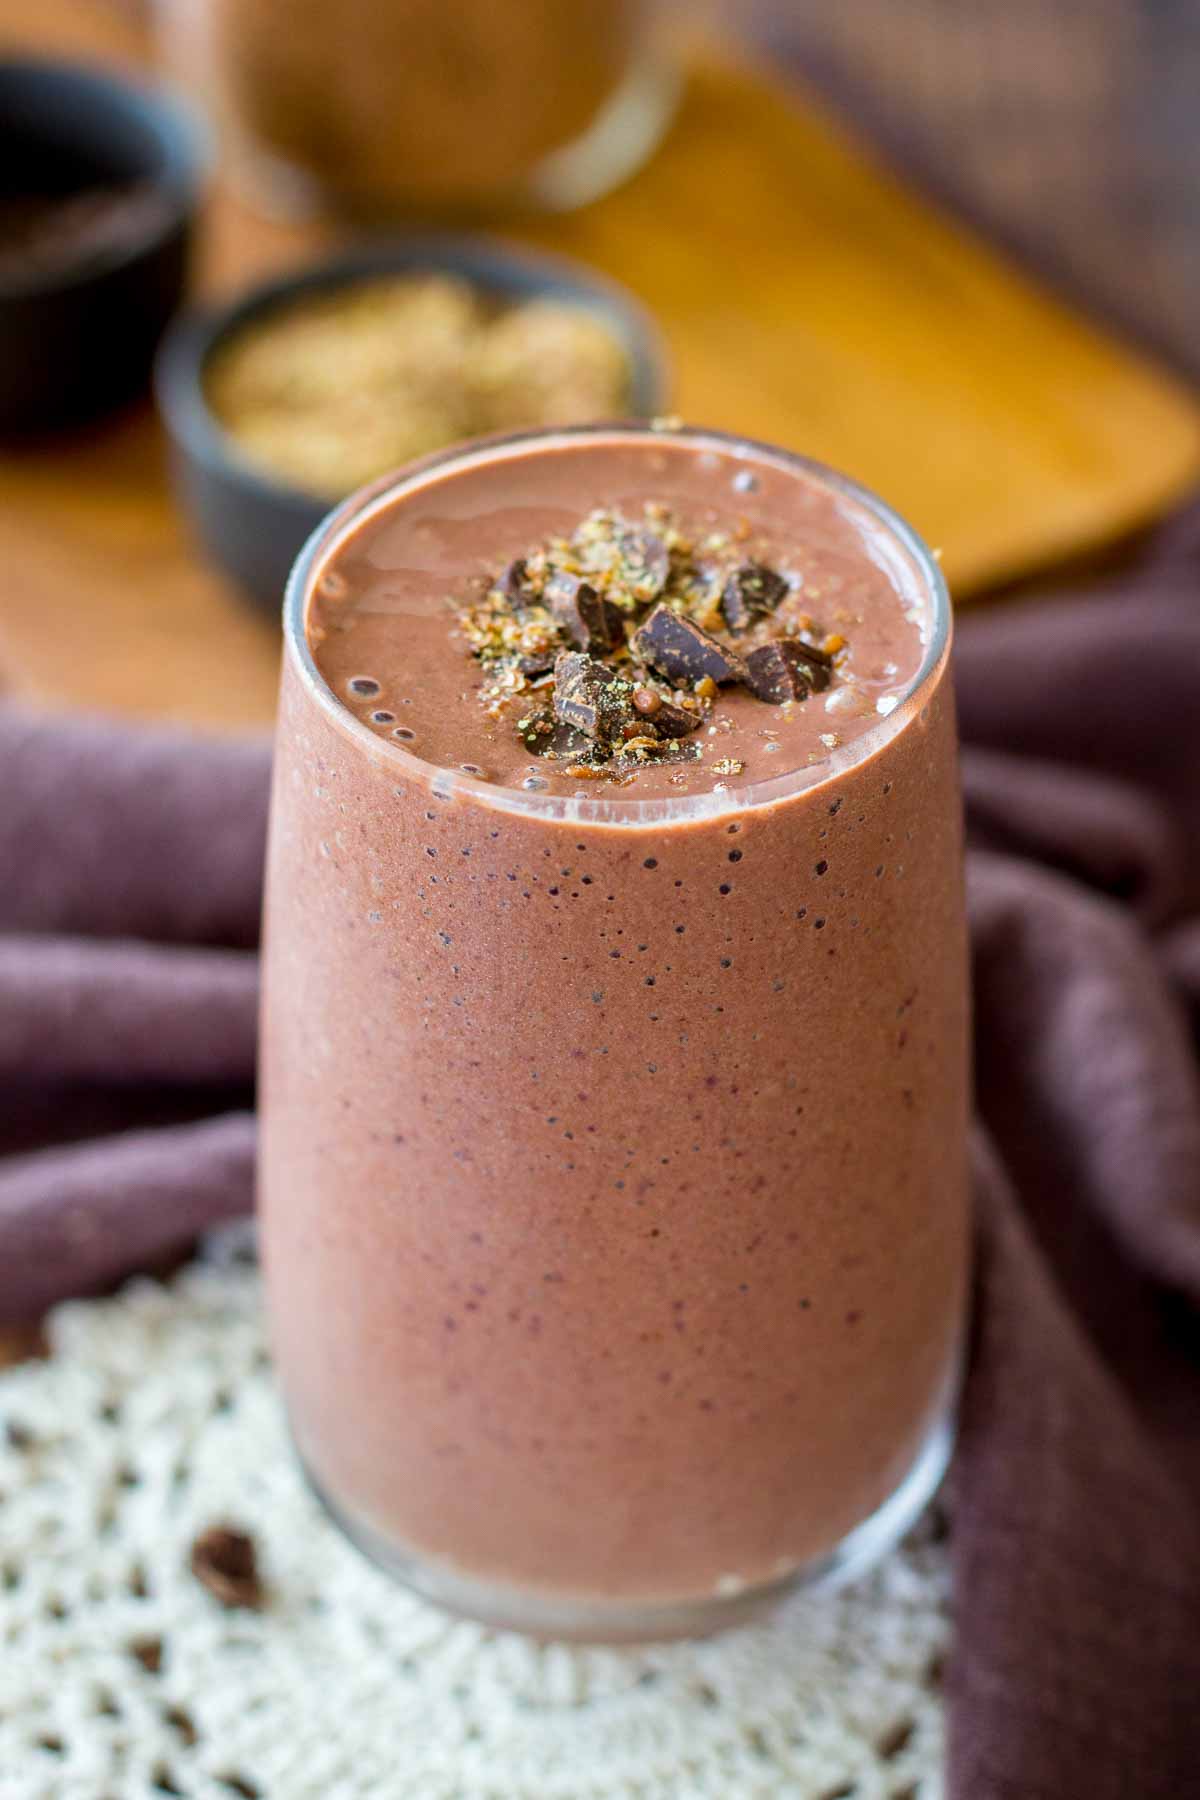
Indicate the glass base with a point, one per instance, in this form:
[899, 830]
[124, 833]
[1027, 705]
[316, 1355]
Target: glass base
[595, 1621]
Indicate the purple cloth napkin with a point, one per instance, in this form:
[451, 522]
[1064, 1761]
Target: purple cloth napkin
[128, 918]
[129, 912]
[1076, 1536]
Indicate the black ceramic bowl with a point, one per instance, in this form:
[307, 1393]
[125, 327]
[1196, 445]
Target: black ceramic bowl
[253, 524]
[79, 327]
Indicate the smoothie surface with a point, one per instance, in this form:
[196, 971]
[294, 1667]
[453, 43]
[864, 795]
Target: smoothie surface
[399, 605]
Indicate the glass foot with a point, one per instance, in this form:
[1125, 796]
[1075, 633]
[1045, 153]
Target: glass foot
[596, 1621]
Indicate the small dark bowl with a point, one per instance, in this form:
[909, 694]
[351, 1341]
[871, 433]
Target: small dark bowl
[78, 335]
[253, 524]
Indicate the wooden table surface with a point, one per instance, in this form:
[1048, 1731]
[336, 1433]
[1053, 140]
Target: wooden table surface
[1067, 131]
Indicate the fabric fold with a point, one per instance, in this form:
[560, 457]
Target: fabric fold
[1106, 832]
[76, 1219]
[1107, 681]
[75, 1009]
[1076, 1556]
[149, 832]
[1085, 1074]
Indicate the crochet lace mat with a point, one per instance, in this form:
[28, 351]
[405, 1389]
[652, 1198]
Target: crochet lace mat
[122, 1678]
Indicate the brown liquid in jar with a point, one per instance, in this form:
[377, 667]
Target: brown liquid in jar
[416, 103]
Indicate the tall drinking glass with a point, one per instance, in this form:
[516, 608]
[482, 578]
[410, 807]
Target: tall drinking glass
[613, 1144]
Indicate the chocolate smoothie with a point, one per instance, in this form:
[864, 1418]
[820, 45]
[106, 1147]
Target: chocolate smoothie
[614, 1054]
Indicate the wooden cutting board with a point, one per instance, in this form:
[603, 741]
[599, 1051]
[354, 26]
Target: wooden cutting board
[805, 296]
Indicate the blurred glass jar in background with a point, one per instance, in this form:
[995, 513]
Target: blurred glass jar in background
[392, 107]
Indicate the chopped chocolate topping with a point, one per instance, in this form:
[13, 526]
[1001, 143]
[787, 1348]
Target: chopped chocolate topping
[819, 661]
[592, 697]
[536, 729]
[545, 735]
[589, 622]
[225, 1562]
[514, 583]
[626, 629]
[674, 721]
[707, 579]
[782, 670]
[681, 652]
[752, 591]
[534, 667]
[646, 563]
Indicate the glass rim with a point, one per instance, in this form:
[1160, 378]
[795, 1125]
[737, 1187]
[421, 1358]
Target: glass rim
[621, 809]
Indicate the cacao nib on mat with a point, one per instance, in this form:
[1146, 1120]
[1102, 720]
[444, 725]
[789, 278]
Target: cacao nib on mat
[225, 1561]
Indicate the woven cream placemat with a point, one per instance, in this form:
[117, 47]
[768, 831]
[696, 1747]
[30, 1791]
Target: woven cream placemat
[123, 1678]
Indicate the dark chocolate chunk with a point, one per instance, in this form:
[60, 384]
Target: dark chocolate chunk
[681, 652]
[675, 721]
[589, 622]
[782, 671]
[514, 583]
[592, 697]
[225, 1562]
[645, 563]
[545, 735]
[819, 662]
[536, 729]
[752, 591]
[540, 664]
[659, 717]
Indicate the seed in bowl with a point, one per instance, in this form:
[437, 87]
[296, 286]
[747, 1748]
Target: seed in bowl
[332, 389]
